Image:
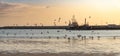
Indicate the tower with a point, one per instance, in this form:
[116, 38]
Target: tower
[85, 21]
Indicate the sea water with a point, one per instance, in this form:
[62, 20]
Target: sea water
[37, 41]
[56, 33]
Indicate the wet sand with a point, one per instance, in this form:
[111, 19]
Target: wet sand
[59, 54]
[61, 47]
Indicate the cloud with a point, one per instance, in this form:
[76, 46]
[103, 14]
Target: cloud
[5, 7]
[9, 6]
[15, 7]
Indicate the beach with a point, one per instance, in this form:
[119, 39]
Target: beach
[60, 54]
[59, 47]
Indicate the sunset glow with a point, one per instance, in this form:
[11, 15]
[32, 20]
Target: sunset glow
[30, 12]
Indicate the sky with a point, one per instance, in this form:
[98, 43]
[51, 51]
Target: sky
[48, 12]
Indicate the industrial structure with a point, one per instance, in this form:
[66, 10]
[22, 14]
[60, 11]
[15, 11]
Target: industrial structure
[73, 25]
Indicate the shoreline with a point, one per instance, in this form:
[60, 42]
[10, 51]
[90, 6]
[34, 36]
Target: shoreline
[59, 47]
[59, 54]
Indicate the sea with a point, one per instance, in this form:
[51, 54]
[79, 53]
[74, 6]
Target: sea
[56, 33]
[59, 41]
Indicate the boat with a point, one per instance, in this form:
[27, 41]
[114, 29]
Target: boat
[73, 25]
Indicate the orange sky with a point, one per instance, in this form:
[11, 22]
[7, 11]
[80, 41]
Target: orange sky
[101, 11]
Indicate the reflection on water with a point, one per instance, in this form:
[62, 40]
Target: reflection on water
[56, 33]
[57, 41]
[104, 45]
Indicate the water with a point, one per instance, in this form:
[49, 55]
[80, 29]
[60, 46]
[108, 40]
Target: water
[58, 46]
[19, 40]
[56, 33]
